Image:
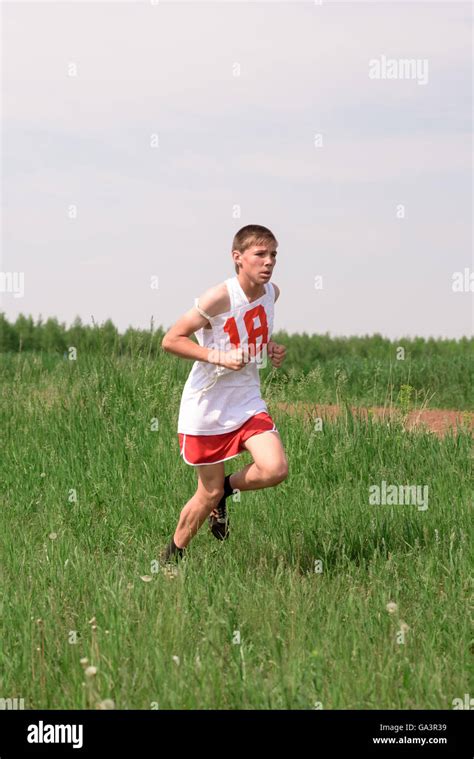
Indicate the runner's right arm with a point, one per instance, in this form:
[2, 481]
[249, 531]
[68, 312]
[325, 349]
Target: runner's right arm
[177, 339]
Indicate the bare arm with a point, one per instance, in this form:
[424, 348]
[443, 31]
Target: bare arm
[177, 339]
[178, 342]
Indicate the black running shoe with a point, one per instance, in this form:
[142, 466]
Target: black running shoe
[171, 555]
[219, 521]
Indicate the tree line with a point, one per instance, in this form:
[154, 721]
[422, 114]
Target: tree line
[304, 350]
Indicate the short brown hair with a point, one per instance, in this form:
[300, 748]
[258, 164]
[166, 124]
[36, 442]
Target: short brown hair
[252, 234]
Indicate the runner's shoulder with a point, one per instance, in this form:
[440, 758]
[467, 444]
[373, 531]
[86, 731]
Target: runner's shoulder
[215, 300]
[277, 291]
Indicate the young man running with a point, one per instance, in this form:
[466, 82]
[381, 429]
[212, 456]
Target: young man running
[222, 412]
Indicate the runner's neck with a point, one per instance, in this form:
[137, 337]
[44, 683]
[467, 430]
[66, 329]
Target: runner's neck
[253, 294]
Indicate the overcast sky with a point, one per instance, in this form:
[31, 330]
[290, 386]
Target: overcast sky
[157, 124]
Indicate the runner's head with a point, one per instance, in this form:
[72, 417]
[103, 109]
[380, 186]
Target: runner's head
[254, 250]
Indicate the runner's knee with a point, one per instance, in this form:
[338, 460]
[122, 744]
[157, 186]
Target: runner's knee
[281, 472]
[275, 473]
[211, 495]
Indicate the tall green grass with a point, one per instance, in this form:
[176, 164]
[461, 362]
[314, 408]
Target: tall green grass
[303, 582]
[373, 369]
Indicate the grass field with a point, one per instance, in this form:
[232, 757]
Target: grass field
[290, 613]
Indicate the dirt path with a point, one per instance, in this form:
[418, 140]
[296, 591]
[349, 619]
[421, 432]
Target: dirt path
[438, 421]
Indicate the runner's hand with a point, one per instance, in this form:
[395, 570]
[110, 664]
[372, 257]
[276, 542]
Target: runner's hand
[276, 353]
[234, 359]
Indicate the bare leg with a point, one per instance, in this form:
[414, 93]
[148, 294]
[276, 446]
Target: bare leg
[269, 467]
[208, 494]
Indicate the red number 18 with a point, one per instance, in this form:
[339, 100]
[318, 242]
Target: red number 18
[253, 332]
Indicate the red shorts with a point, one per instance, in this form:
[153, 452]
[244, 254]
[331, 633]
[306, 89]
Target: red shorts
[197, 450]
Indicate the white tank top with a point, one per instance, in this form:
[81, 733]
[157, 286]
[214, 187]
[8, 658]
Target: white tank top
[217, 400]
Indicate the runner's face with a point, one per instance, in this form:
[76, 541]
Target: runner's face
[258, 262]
